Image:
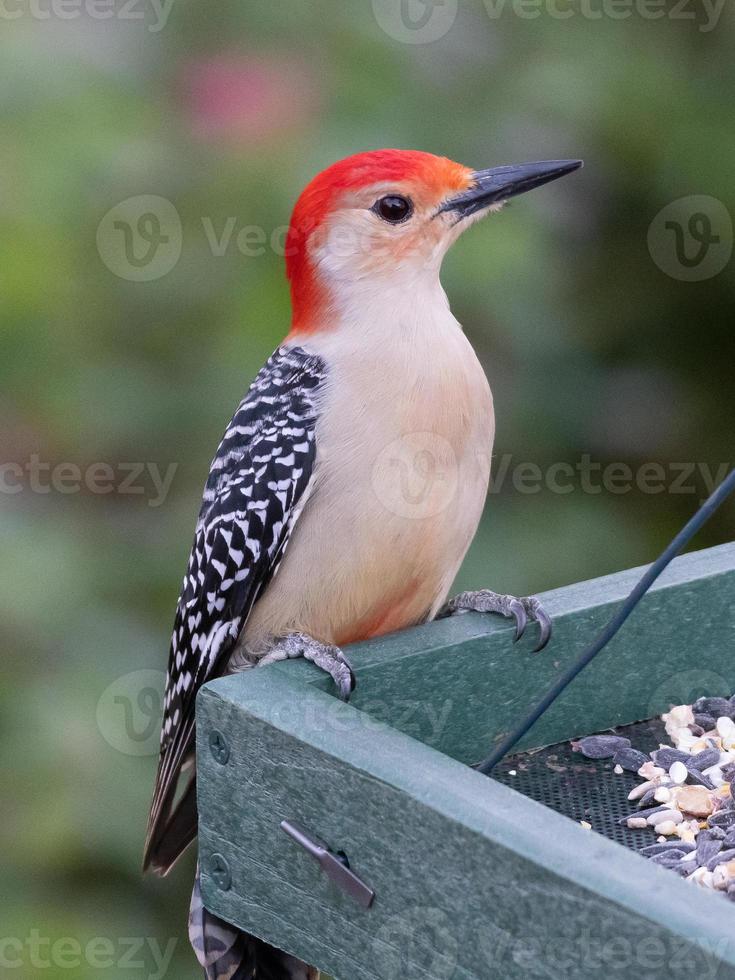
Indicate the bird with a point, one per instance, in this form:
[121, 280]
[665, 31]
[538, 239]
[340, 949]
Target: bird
[349, 484]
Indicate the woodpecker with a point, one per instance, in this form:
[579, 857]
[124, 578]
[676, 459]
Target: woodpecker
[299, 547]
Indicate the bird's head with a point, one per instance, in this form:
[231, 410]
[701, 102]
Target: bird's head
[384, 219]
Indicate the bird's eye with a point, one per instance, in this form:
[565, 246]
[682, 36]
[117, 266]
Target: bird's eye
[393, 208]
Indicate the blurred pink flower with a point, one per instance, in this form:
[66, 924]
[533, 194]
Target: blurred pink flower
[245, 98]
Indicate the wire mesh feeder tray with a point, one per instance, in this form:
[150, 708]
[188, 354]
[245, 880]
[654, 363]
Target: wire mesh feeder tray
[586, 790]
[681, 797]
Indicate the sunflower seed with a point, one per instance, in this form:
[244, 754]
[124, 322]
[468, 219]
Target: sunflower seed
[671, 845]
[630, 759]
[707, 722]
[723, 818]
[708, 847]
[668, 860]
[601, 746]
[666, 757]
[698, 777]
[719, 707]
[682, 868]
[722, 858]
[703, 760]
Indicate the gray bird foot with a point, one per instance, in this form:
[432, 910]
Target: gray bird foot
[522, 609]
[326, 656]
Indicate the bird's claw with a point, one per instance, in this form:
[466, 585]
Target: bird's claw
[544, 621]
[521, 618]
[333, 662]
[325, 655]
[343, 676]
[522, 610]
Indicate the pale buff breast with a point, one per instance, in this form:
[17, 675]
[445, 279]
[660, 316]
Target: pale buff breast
[403, 458]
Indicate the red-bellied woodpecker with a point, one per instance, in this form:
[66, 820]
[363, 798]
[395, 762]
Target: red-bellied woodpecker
[301, 544]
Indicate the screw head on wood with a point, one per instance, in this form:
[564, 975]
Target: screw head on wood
[220, 872]
[219, 747]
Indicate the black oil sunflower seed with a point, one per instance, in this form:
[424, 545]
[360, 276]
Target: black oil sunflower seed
[666, 757]
[683, 868]
[704, 759]
[698, 777]
[721, 858]
[668, 859]
[650, 850]
[723, 818]
[717, 707]
[707, 846]
[601, 746]
[707, 722]
[630, 759]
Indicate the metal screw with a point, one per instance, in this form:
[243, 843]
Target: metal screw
[220, 872]
[219, 747]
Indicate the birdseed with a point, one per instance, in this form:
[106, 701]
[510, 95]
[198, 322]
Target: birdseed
[601, 746]
[631, 759]
[689, 784]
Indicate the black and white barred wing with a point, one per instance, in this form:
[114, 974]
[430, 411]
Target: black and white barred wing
[258, 483]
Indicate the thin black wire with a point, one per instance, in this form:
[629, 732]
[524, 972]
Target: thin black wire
[682, 538]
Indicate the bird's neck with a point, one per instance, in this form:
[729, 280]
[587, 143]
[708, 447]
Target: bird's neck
[406, 310]
[395, 336]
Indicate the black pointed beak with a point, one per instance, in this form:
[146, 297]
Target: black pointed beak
[500, 183]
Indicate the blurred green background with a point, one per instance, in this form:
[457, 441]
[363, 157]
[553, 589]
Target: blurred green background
[593, 339]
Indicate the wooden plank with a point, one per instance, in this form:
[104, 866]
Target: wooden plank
[472, 881]
[460, 684]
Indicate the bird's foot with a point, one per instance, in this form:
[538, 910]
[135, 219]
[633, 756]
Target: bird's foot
[522, 609]
[330, 658]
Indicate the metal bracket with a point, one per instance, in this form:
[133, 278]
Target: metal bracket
[335, 866]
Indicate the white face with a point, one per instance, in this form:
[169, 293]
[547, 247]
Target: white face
[394, 232]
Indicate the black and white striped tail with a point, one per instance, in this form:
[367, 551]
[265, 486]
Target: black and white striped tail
[226, 953]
